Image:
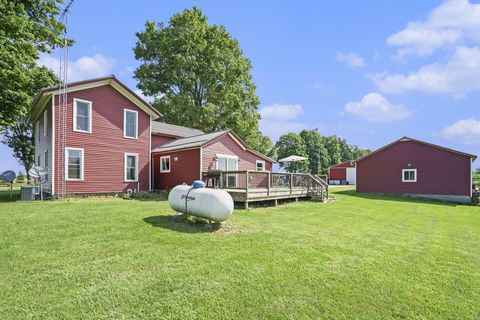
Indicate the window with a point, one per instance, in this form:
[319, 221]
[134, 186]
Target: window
[260, 164]
[409, 175]
[228, 163]
[38, 160]
[45, 123]
[165, 164]
[131, 167]
[82, 116]
[74, 163]
[130, 120]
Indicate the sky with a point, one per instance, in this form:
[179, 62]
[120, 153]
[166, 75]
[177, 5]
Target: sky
[367, 71]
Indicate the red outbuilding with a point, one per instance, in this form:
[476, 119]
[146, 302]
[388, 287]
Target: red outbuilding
[417, 168]
[342, 173]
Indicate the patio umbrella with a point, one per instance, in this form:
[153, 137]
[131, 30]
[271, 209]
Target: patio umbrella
[292, 159]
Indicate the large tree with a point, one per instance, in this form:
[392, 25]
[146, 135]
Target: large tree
[198, 76]
[316, 151]
[27, 28]
[292, 144]
[18, 135]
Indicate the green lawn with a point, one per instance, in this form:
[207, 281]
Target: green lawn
[364, 256]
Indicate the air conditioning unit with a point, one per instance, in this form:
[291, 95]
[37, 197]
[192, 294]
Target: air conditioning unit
[28, 193]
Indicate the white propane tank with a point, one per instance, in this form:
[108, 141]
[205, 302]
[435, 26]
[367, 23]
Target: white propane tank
[212, 204]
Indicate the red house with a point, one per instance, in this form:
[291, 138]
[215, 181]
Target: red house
[342, 173]
[102, 142]
[417, 168]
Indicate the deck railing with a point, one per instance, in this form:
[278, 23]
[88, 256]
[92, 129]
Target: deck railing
[246, 179]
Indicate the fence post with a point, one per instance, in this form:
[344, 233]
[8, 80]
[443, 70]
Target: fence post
[291, 182]
[268, 183]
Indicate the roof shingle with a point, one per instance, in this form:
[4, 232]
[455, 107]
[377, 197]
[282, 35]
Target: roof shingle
[174, 130]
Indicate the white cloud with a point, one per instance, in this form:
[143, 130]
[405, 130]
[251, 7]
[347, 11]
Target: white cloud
[144, 97]
[452, 23]
[280, 111]
[375, 108]
[466, 131]
[278, 119]
[83, 68]
[458, 76]
[350, 59]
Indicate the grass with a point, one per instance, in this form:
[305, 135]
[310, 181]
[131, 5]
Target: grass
[363, 257]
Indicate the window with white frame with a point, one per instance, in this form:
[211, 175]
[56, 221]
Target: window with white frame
[260, 165]
[74, 163]
[82, 116]
[130, 120]
[131, 167]
[45, 122]
[165, 164]
[409, 175]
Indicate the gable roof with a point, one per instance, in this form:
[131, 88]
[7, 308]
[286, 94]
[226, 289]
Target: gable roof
[203, 139]
[403, 139]
[45, 94]
[167, 129]
[346, 164]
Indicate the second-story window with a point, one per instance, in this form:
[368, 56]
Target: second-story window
[82, 116]
[130, 120]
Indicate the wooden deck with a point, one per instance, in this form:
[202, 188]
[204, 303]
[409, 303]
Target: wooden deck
[253, 186]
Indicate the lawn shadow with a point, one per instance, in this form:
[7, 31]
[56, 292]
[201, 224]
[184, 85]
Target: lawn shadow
[181, 223]
[5, 195]
[393, 197]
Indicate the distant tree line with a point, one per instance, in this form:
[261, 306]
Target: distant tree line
[321, 151]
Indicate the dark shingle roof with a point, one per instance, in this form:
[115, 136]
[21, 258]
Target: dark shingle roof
[174, 130]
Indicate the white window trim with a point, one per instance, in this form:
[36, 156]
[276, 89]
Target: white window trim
[403, 175]
[75, 115]
[125, 167]
[219, 155]
[263, 165]
[125, 123]
[169, 164]
[45, 122]
[82, 168]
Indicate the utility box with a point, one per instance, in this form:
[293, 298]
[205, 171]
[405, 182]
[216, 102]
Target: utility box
[28, 193]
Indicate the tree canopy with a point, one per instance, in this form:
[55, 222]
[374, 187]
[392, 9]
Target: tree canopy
[27, 28]
[322, 151]
[199, 77]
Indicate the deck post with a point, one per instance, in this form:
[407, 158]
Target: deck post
[246, 205]
[275, 202]
[291, 182]
[269, 182]
[247, 182]
[221, 180]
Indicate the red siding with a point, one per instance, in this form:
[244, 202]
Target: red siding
[105, 147]
[338, 174]
[158, 140]
[185, 169]
[227, 145]
[439, 172]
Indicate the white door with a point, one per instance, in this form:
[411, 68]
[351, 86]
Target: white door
[352, 175]
[228, 163]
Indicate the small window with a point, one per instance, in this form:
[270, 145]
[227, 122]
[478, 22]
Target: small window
[130, 119]
[409, 175]
[165, 164]
[45, 123]
[74, 164]
[131, 167]
[260, 165]
[38, 160]
[82, 116]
